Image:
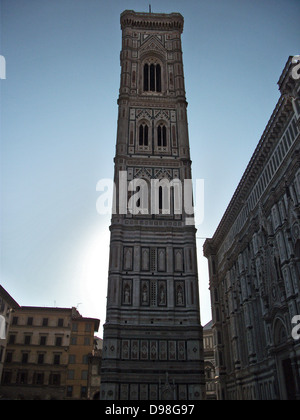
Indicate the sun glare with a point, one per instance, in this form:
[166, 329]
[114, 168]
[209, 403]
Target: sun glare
[93, 273]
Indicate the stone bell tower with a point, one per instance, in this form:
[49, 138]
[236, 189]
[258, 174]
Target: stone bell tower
[153, 346]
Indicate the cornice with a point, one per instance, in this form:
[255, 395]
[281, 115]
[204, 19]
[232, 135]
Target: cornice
[286, 82]
[270, 198]
[153, 21]
[140, 161]
[157, 100]
[260, 157]
[209, 248]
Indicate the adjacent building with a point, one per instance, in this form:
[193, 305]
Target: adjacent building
[81, 349]
[7, 307]
[153, 344]
[47, 354]
[37, 353]
[95, 361]
[209, 362]
[254, 264]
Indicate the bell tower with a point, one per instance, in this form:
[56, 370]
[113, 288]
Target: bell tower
[153, 346]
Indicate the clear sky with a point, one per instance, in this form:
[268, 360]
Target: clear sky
[59, 121]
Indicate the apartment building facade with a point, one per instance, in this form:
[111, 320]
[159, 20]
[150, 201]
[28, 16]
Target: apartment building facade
[39, 354]
[7, 306]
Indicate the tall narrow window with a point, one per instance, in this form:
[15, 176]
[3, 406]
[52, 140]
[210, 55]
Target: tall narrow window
[158, 78]
[146, 135]
[146, 77]
[160, 199]
[162, 136]
[56, 359]
[25, 358]
[143, 135]
[159, 142]
[152, 77]
[164, 139]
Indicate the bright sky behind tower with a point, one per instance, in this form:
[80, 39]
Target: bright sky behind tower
[59, 122]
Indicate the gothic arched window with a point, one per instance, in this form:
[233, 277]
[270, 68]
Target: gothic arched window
[143, 135]
[161, 136]
[158, 78]
[146, 77]
[152, 77]
[160, 199]
[280, 333]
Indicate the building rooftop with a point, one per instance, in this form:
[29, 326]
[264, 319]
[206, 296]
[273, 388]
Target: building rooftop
[164, 21]
[6, 296]
[208, 326]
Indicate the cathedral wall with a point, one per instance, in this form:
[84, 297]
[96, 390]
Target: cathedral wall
[254, 264]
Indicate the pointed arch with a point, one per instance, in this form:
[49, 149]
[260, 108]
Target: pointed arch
[152, 69]
[143, 135]
[280, 333]
[162, 136]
